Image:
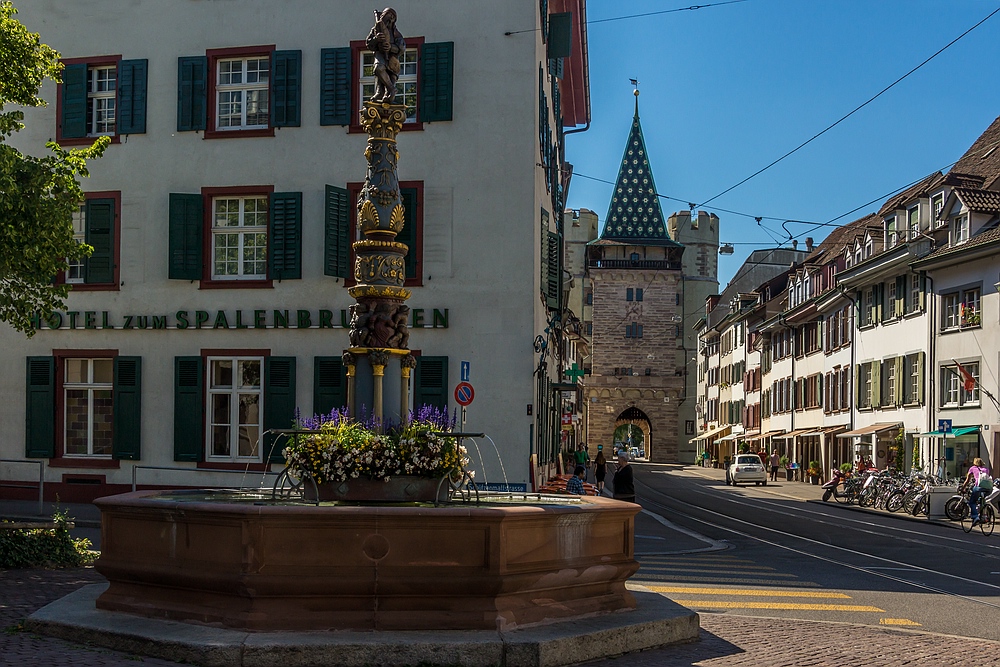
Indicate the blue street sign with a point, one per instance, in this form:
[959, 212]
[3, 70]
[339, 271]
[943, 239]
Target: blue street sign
[465, 371]
[944, 425]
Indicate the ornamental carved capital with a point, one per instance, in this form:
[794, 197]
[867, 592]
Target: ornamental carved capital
[378, 358]
[382, 120]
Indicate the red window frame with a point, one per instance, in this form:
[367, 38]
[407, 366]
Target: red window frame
[205, 353]
[115, 285]
[60, 460]
[95, 61]
[357, 46]
[207, 194]
[214, 56]
[353, 191]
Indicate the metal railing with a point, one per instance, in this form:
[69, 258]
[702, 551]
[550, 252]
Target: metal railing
[135, 470]
[41, 481]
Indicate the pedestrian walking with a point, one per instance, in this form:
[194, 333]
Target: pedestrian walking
[600, 468]
[624, 484]
[775, 464]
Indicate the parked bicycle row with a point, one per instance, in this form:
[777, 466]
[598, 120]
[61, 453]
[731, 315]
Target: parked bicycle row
[977, 502]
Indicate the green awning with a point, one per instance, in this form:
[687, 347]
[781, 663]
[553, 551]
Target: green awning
[955, 432]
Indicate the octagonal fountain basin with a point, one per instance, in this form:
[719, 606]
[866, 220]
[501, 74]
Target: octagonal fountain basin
[239, 561]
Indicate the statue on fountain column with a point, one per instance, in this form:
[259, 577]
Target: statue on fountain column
[386, 42]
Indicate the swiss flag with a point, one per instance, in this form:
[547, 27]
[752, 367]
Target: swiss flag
[968, 382]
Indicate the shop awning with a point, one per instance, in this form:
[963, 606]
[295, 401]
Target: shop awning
[708, 434]
[761, 436]
[793, 434]
[731, 436]
[871, 428]
[955, 432]
[824, 430]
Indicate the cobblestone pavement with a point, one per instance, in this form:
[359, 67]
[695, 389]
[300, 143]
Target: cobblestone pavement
[24, 591]
[727, 640]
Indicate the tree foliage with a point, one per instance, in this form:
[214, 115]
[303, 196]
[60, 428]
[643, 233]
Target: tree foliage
[38, 195]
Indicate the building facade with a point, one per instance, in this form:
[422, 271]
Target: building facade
[215, 305]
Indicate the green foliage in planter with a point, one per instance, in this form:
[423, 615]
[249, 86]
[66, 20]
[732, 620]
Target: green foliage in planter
[845, 467]
[814, 469]
[783, 461]
[917, 464]
[44, 547]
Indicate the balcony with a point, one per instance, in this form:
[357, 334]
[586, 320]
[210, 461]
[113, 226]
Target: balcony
[655, 264]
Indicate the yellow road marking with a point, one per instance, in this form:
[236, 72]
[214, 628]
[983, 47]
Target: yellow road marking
[720, 604]
[749, 591]
[896, 621]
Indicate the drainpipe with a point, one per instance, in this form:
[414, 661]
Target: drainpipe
[929, 374]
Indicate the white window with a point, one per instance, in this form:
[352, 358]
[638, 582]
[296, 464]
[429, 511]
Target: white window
[890, 232]
[891, 305]
[971, 316]
[889, 392]
[87, 393]
[866, 386]
[914, 302]
[235, 398]
[74, 274]
[950, 311]
[937, 205]
[239, 238]
[101, 97]
[242, 91]
[955, 394]
[952, 385]
[406, 84]
[961, 229]
[912, 370]
[913, 221]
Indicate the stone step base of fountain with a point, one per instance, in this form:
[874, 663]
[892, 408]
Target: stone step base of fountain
[655, 622]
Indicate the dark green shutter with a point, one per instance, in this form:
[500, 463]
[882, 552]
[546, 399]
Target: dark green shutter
[336, 252]
[127, 408]
[553, 286]
[40, 408]
[409, 233]
[285, 236]
[189, 408]
[430, 386]
[335, 86]
[74, 101]
[185, 242]
[192, 93]
[132, 96]
[286, 68]
[99, 268]
[329, 385]
[279, 403]
[560, 35]
[437, 78]
[899, 308]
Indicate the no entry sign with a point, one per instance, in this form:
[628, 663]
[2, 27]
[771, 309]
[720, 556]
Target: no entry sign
[464, 393]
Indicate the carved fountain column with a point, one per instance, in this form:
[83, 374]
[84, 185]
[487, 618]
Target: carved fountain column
[379, 334]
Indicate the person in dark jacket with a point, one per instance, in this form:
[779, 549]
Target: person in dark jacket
[623, 483]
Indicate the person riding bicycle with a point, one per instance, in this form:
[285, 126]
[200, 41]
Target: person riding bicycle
[977, 481]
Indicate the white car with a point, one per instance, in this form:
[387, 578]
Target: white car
[746, 468]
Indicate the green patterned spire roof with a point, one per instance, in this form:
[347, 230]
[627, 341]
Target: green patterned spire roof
[635, 215]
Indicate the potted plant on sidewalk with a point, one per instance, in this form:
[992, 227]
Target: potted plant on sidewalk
[814, 472]
[784, 463]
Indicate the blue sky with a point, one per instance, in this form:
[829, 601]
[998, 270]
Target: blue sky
[726, 90]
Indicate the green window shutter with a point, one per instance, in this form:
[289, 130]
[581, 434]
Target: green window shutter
[279, 403]
[189, 408]
[74, 101]
[409, 233]
[335, 86]
[329, 385]
[898, 372]
[127, 410]
[40, 408]
[430, 386]
[920, 377]
[561, 35]
[286, 87]
[876, 371]
[99, 268]
[285, 236]
[553, 287]
[436, 81]
[186, 220]
[858, 403]
[336, 251]
[132, 96]
[899, 308]
[192, 93]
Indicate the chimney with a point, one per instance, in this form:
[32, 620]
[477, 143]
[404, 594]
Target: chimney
[809, 243]
[795, 244]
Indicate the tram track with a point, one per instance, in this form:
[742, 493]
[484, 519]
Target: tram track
[725, 522]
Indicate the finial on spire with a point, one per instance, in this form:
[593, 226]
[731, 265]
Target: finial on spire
[635, 82]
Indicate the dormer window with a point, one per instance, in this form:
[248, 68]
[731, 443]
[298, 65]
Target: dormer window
[890, 232]
[869, 247]
[961, 233]
[937, 206]
[913, 221]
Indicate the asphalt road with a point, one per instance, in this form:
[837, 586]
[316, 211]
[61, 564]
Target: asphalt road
[787, 558]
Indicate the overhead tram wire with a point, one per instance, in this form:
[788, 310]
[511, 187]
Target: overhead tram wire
[853, 111]
[637, 16]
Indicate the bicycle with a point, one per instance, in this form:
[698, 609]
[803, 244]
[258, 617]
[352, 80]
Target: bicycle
[987, 518]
